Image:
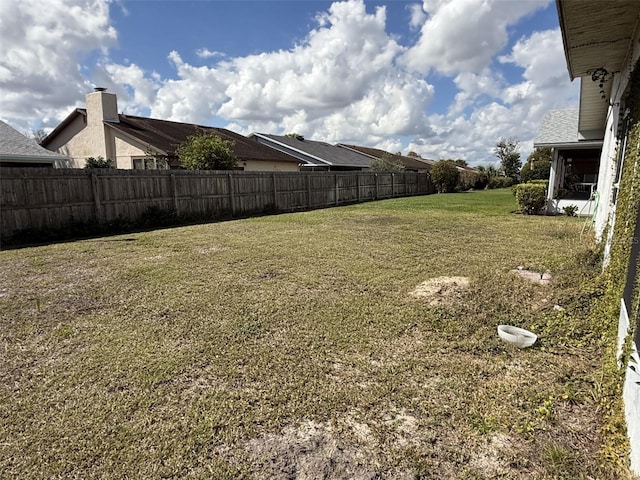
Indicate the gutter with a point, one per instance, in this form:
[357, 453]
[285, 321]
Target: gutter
[32, 158]
[571, 145]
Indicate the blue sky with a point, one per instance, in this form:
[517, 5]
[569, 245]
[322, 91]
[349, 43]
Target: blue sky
[444, 78]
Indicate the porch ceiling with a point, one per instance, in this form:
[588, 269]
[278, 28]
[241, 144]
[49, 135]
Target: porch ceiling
[593, 109]
[597, 33]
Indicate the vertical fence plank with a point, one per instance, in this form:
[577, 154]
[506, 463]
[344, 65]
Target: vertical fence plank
[174, 194]
[232, 200]
[275, 190]
[96, 197]
[375, 196]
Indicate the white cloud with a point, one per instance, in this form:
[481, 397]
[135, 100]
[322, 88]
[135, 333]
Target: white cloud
[464, 35]
[340, 83]
[514, 110]
[206, 53]
[43, 44]
[418, 15]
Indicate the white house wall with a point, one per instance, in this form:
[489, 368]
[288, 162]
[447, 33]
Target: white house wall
[606, 214]
[607, 172]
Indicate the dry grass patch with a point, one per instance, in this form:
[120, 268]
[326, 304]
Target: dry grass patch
[287, 347]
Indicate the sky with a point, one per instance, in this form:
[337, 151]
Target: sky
[442, 78]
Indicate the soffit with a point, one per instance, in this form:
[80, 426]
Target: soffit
[593, 109]
[597, 33]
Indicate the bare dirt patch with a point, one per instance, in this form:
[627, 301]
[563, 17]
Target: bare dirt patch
[543, 278]
[440, 289]
[306, 452]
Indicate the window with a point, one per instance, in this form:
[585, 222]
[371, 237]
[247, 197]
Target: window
[150, 163]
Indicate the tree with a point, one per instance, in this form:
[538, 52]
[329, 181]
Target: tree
[206, 151]
[445, 176]
[461, 163]
[387, 163]
[538, 165]
[38, 135]
[507, 151]
[413, 154]
[99, 162]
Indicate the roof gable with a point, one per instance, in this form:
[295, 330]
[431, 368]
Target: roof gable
[15, 146]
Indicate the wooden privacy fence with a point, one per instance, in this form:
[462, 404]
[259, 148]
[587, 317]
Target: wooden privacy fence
[39, 198]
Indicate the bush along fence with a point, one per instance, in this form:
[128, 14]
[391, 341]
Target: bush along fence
[37, 204]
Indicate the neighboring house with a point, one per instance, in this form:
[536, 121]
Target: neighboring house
[133, 142]
[602, 48]
[16, 150]
[411, 164]
[575, 160]
[316, 155]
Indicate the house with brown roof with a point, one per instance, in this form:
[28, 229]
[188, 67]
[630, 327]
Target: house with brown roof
[133, 142]
[411, 164]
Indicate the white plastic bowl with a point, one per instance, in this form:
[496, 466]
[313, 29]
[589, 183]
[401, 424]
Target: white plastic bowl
[519, 337]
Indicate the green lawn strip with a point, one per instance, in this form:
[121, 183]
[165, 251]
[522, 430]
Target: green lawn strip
[189, 352]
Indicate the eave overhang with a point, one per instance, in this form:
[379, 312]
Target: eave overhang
[597, 34]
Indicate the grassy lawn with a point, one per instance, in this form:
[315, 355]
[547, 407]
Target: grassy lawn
[290, 347]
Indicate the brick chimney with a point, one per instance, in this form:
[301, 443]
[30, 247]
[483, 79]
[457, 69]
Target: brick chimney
[102, 107]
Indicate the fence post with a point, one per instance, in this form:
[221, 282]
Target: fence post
[275, 190]
[232, 201]
[393, 187]
[96, 197]
[405, 184]
[308, 190]
[358, 185]
[375, 176]
[335, 176]
[174, 193]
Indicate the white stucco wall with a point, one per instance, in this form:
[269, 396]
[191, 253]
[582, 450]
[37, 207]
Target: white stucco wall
[125, 150]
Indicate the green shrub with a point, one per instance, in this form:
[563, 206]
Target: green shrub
[540, 182]
[99, 162]
[207, 151]
[500, 182]
[387, 163]
[445, 176]
[570, 210]
[531, 197]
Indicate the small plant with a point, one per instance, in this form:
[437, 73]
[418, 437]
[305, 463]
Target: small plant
[531, 198]
[570, 210]
[99, 162]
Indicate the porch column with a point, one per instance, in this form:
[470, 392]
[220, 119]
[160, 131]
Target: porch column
[553, 174]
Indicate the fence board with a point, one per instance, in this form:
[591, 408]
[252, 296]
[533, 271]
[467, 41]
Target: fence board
[35, 198]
